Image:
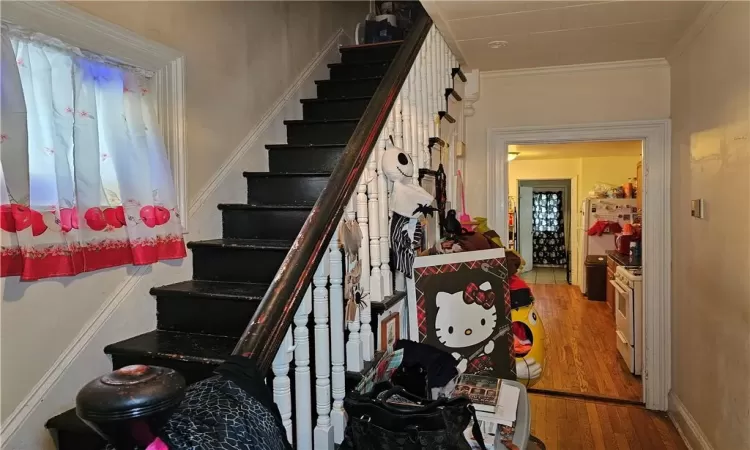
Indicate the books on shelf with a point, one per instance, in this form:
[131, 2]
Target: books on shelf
[483, 392]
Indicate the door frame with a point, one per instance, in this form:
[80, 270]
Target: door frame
[656, 138]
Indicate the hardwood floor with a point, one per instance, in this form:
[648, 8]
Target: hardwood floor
[581, 356]
[565, 423]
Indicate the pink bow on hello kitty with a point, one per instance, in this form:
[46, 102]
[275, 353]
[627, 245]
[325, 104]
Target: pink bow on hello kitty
[472, 294]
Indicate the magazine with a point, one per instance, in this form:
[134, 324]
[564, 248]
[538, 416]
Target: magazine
[482, 391]
[382, 371]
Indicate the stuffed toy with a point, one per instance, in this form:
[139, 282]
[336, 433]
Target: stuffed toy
[408, 202]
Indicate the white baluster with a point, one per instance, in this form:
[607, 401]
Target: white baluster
[430, 87]
[437, 89]
[302, 388]
[336, 300]
[282, 385]
[422, 111]
[323, 434]
[376, 287]
[354, 360]
[362, 220]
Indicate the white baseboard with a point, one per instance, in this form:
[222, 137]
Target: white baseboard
[130, 309]
[686, 425]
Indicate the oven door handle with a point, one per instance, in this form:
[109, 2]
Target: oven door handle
[619, 288]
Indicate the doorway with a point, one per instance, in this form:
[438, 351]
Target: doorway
[655, 136]
[544, 228]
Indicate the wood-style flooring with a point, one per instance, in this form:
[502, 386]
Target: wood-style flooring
[565, 423]
[581, 356]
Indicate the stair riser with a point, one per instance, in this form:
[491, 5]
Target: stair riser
[205, 315]
[348, 88]
[320, 133]
[236, 264]
[319, 159]
[263, 223]
[298, 190]
[350, 109]
[374, 53]
[347, 72]
[193, 371]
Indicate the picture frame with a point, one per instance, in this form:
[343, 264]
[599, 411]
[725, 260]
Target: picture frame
[390, 331]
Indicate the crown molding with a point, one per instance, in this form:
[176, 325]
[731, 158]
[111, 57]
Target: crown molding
[615, 65]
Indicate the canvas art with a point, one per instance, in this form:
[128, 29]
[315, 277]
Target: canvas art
[460, 303]
[390, 331]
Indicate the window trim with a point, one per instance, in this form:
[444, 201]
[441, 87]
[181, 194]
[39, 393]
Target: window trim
[81, 29]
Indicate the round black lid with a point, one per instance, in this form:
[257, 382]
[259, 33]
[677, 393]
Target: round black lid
[129, 393]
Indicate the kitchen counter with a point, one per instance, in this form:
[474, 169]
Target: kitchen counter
[620, 259]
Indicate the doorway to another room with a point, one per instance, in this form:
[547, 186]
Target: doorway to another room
[575, 213]
[543, 229]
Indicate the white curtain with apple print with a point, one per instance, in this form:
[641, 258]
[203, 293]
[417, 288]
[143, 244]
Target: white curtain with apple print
[86, 183]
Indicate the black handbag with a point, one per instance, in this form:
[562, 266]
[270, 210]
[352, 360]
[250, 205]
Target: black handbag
[410, 424]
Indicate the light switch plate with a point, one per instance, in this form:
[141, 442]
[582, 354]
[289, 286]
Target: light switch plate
[696, 208]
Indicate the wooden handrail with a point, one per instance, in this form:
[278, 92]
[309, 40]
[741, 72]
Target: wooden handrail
[265, 332]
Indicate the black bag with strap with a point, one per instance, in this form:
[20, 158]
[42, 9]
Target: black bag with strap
[407, 422]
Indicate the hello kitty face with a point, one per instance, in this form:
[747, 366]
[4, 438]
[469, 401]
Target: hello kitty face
[459, 324]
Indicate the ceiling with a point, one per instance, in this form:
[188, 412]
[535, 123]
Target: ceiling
[553, 33]
[576, 150]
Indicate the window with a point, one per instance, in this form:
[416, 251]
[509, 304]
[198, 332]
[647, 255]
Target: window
[86, 182]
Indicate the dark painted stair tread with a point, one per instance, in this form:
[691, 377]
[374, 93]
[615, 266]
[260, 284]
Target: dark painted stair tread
[184, 347]
[348, 80]
[261, 244]
[245, 206]
[446, 116]
[290, 174]
[355, 47]
[69, 421]
[217, 289]
[290, 147]
[318, 121]
[337, 99]
[359, 63]
[457, 71]
[450, 92]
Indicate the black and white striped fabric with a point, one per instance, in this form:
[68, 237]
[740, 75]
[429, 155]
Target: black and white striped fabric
[405, 235]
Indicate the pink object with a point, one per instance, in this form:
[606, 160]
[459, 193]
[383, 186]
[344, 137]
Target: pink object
[463, 218]
[158, 444]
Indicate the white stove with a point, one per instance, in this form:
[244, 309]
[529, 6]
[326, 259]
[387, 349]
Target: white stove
[628, 284]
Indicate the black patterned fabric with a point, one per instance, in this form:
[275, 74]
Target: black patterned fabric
[549, 229]
[231, 411]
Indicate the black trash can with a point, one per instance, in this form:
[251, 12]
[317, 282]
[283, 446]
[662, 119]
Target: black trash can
[596, 277]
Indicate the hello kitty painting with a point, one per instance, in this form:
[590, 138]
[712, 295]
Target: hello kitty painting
[460, 303]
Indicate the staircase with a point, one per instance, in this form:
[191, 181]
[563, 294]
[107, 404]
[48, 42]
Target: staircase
[200, 321]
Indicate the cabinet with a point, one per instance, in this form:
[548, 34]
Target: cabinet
[639, 183]
[611, 267]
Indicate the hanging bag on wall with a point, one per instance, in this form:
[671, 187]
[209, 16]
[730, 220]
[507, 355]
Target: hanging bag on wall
[395, 419]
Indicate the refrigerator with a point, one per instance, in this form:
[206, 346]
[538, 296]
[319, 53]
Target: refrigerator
[618, 210]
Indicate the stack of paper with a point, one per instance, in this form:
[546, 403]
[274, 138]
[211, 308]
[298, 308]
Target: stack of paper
[507, 406]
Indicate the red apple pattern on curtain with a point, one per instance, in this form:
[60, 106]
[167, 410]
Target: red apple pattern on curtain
[85, 182]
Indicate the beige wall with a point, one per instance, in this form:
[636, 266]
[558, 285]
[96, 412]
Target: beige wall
[241, 57]
[711, 257]
[556, 98]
